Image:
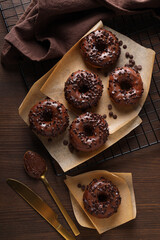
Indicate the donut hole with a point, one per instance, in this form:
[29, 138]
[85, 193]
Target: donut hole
[83, 88]
[100, 46]
[102, 197]
[88, 129]
[47, 116]
[125, 85]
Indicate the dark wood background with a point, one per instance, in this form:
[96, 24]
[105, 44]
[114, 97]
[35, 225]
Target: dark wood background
[19, 221]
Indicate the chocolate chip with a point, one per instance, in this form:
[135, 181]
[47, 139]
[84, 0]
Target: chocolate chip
[79, 185]
[139, 67]
[114, 116]
[120, 43]
[71, 148]
[110, 114]
[131, 56]
[124, 46]
[83, 187]
[109, 106]
[127, 55]
[65, 142]
[104, 116]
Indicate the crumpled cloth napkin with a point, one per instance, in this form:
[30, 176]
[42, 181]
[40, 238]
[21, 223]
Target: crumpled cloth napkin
[48, 28]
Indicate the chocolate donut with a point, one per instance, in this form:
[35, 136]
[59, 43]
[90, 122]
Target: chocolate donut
[125, 86]
[101, 198]
[100, 48]
[48, 118]
[88, 132]
[83, 89]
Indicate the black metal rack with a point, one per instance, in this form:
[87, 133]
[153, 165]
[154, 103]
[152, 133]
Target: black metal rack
[144, 29]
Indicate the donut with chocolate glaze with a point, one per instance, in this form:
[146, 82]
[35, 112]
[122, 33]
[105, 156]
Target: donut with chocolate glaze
[48, 118]
[101, 198]
[88, 132]
[125, 86]
[100, 48]
[83, 89]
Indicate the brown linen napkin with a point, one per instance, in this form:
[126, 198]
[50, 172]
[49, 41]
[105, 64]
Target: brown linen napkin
[48, 28]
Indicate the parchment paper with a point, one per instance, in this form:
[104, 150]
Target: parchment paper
[126, 210]
[57, 150]
[80, 215]
[73, 61]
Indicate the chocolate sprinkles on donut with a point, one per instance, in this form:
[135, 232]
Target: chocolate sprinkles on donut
[83, 89]
[101, 198]
[100, 49]
[88, 132]
[48, 118]
[125, 86]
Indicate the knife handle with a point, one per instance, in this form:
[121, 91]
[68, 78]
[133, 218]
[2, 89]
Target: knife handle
[59, 204]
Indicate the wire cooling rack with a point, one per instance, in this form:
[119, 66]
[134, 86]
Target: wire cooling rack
[144, 29]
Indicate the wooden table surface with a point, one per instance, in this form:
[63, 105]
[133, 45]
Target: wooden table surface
[19, 221]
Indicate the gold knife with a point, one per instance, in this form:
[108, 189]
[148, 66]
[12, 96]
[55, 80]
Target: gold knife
[40, 206]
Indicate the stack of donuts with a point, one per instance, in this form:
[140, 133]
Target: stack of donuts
[83, 89]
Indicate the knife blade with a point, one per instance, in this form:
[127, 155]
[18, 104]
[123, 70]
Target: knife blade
[40, 206]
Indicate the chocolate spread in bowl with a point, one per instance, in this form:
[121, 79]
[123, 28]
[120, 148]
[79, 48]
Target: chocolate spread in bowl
[34, 164]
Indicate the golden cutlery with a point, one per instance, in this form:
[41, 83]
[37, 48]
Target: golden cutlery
[35, 167]
[40, 206]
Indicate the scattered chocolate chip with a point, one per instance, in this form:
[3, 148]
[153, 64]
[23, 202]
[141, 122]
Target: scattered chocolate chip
[79, 185]
[104, 116]
[135, 66]
[139, 67]
[83, 187]
[71, 148]
[110, 114]
[133, 62]
[65, 142]
[127, 55]
[109, 106]
[124, 46]
[131, 56]
[114, 116]
[120, 43]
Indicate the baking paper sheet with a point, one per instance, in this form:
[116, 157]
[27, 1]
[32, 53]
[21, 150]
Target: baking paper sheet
[73, 61]
[126, 210]
[80, 215]
[57, 150]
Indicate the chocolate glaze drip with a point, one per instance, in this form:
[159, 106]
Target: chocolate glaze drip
[88, 132]
[34, 164]
[101, 198]
[48, 118]
[83, 89]
[125, 86]
[100, 48]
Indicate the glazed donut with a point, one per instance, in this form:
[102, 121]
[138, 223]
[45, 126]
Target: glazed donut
[100, 48]
[83, 89]
[125, 86]
[88, 132]
[101, 198]
[48, 118]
